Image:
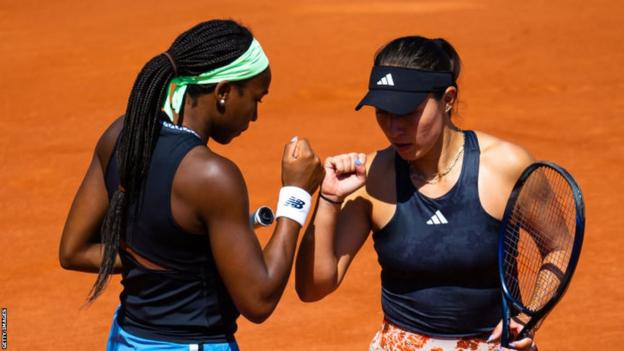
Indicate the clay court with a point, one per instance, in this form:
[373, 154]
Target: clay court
[547, 75]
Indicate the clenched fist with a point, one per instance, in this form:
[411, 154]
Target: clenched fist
[301, 167]
[344, 174]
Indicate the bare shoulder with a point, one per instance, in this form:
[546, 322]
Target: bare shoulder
[380, 179]
[503, 157]
[106, 143]
[380, 159]
[501, 164]
[375, 169]
[206, 173]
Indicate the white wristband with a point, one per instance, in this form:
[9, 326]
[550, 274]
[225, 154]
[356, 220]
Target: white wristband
[293, 203]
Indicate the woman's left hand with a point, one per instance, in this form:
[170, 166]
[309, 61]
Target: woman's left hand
[526, 344]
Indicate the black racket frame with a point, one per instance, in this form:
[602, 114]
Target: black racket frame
[507, 299]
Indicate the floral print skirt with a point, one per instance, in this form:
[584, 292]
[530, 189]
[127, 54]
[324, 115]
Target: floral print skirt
[392, 338]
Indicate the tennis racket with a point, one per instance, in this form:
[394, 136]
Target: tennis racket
[539, 244]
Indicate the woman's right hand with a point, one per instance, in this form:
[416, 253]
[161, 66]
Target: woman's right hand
[525, 344]
[301, 167]
[344, 174]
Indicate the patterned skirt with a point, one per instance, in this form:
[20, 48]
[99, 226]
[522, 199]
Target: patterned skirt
[392, 338]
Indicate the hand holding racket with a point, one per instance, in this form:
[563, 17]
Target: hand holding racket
[540, 242]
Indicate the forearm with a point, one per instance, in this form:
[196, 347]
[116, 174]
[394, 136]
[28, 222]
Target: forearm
[279, 255]
[265, 288]
[317, 263]
[549, 278]
[87, 259]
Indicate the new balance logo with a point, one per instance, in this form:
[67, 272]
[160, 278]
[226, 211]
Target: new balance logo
[387, 80]
[437, 218]
[294, 202]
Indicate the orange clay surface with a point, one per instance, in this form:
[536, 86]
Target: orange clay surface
[547, 75]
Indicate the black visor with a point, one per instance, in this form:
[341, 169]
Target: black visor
[400, 90]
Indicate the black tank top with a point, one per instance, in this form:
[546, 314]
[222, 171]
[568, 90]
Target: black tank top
[439, 256]
[188, 302]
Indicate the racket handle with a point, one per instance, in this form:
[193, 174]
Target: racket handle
[505, 332]
[263, 216]
[523, 334]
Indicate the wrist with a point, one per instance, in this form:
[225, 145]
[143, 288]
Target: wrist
[331, 199]
[293, 203]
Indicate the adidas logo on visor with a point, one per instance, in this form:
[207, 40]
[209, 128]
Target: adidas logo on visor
[386, 80]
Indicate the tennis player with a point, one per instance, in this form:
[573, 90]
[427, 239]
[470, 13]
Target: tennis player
[173, 216]
[433, 200]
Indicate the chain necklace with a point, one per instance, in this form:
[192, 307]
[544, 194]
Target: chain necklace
[180, 128]
[418, 176]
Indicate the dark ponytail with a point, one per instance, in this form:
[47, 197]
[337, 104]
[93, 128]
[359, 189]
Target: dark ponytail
[421, 53]
[204, 47]
[454, 62]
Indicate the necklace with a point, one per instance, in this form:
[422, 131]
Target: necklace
[418, 176]
[180, 128]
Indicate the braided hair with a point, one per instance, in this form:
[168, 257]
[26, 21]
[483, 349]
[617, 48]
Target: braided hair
[204, 47]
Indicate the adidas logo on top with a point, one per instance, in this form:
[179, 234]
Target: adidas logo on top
[437, 218]
[386, 80]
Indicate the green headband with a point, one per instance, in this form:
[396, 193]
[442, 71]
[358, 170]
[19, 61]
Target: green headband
[249, 64]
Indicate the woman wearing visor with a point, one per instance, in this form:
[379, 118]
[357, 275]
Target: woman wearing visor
[160, 207]
[433, 200]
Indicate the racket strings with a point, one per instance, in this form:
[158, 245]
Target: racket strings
[539, 238]
[522, 265]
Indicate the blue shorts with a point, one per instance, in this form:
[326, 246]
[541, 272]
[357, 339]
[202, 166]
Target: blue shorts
[120, 340]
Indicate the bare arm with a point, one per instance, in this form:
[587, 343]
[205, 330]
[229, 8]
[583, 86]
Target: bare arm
[503, 163]
[80, 248]
[336, 233]
[254, 277]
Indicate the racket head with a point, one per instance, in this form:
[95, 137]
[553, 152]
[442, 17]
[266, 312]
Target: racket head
[545, 197]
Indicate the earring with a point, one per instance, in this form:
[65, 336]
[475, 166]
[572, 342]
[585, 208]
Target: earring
[222, 102]
[448, 108]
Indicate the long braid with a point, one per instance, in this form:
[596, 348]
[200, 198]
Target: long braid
[206, 46]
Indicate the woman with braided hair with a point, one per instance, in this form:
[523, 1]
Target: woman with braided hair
[433, 200]
[172, 215]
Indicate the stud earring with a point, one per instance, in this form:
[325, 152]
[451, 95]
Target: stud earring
[222, 102]
[448, 108]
